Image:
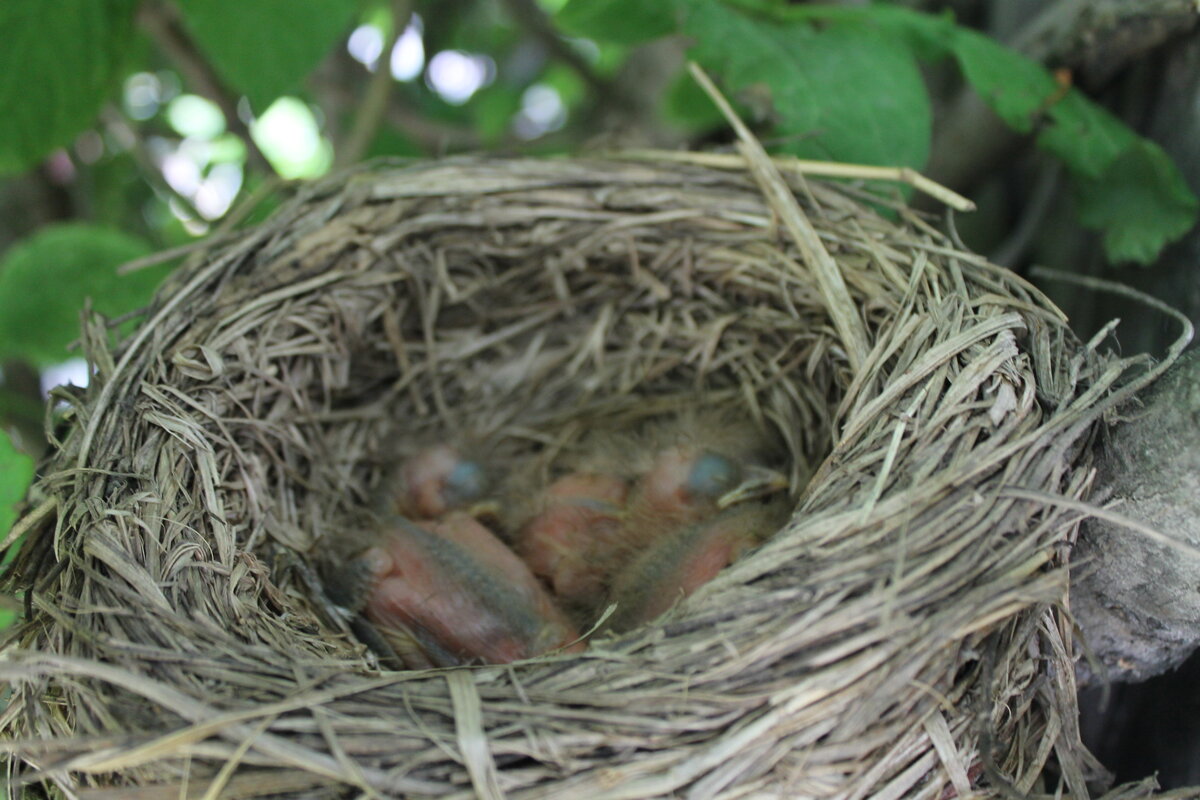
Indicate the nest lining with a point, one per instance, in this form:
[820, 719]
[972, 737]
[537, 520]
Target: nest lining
[902, 636]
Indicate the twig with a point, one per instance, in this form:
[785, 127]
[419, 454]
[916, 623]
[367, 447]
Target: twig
[337, 97]
[1187, 329]
[531, 17]
[154, 259]
[1153, 534]
[28, 522]
[435, 135]
[1016, 244]
[219, 235]
[120, 127]
[842, 309]
[375, 101]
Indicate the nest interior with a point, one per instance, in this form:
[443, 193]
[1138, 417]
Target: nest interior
[902, 635]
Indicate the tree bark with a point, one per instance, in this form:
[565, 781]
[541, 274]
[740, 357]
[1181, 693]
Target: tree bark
[1137, 601]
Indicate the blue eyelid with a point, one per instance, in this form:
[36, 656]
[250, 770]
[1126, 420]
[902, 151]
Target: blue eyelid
[712, 474]
[466, 482]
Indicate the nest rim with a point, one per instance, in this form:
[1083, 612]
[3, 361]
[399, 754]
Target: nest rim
[949, 341]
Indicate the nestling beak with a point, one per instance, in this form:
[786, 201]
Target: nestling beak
[756, 482]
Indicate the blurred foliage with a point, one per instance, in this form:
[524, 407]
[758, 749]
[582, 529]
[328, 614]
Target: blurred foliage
[58, 65]
[618, 21]
[138, 125]
[830, 82]
[845, 92]
[853, 84]
[264, 48]
[16, 471]
[45, 280]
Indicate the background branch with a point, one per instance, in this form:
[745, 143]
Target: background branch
[530, 16]
[373, 109]
[151, 172]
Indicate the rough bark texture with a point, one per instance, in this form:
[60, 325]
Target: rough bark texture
[1138, 601]
[1095, 38]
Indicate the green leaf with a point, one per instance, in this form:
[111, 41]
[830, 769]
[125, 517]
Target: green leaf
[848, 92]
[687, 106]
[617, 21]
[265, 48]
[16, 471]
[45, 279]
[492, 110]
[1125, 186]
[393, 143]
[1084, 136]
[59, 64]
[567, 83]
[1140, 202]
[1080, 133]
[925, 34]
[1015, 87]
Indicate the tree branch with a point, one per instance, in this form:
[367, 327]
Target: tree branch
[533, 19]
[372, 110]
[1099, 37]
[1134, 597]
[151, 172]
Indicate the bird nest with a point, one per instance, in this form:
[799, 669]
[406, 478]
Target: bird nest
[904, 634]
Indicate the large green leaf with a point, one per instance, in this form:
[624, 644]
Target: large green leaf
[848, 92]
[59, 63]
[617, 21]
[1014, 86]
[1080, 133]
[926, 34]
[45, 279]
[265, 48]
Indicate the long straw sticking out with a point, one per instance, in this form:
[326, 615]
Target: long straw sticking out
[829, 277]
[819, 169]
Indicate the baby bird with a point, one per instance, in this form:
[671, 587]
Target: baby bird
[688, 469]
[581, 515]
[677, 564]
[448, 592]
[632, 492]
[433, 481]
[699, 502]
[687, 483]
[435, 586]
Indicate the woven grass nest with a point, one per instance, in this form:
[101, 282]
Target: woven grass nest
[904, 635]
